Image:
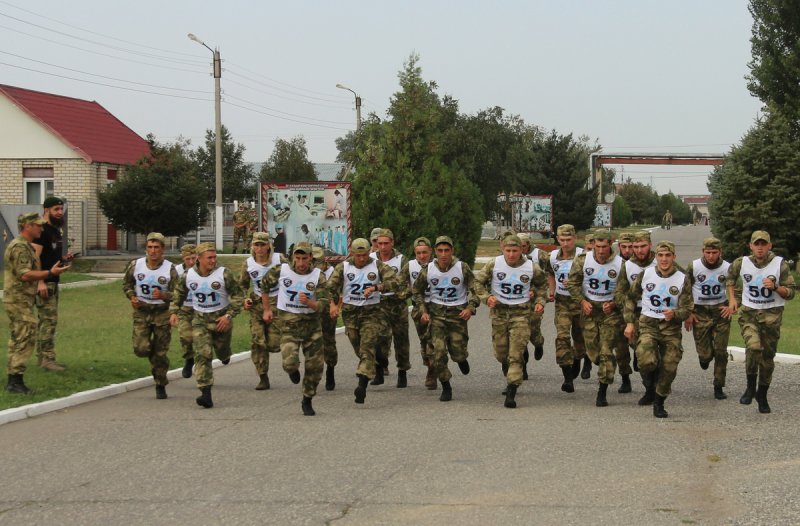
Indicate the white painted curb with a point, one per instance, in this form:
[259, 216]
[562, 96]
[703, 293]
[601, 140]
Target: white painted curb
[737, 354]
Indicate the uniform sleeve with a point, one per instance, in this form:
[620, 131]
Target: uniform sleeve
[540, 286]
[690, 273]
[21, 261]
[173, 281]
[323, 296]
[787, 280]
[733, 279]
[469, 281]
[403, 280]
[244, 278]
[389, 278]
[128, 283]
[575, 278]
[234, 293]
[418, 290]
[544, 260]
[634, 295]
[483, 281]
[623, 287]
[334, 283]
[179, 295]
[685, 301]
[270, 279]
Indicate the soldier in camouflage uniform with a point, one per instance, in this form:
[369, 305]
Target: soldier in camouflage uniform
[356, 280]
[452, 303]
[21, 272]
[666, 301]
[301, 298]
[189, 257]
[329, 351]
[767, 283]
[422, 256]
[241, 221]
[252, 225]
[642, 258]
[540, 258]
[625, 245]
[216, 300]
[588, 242]
[570, 349]
[149, 283]
[592, 283]
[395, 310]
[265, 337]
[710, 322]
[508, 284]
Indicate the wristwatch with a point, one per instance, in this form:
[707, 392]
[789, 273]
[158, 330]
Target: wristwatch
[229, 317]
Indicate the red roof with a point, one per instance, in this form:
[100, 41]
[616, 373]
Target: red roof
[83, 125]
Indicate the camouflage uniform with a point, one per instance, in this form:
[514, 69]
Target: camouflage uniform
[329, 351]
[18, 302]
[240, 217]
[51, 242]
[569, 334]
[423, 331]
[151, 328]
[252, 224]
[625, 345]
[537, 338]
[395, 311]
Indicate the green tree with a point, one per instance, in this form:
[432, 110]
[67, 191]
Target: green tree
[160, 193]
[288, 162]
[643, 202]
[758, 188]
[775, 68]
[621, 213]
[681, 213]
[238, 179]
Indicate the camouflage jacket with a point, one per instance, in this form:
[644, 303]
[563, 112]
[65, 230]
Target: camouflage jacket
[685, 300]
[390, 279]
[129, 282]
[786, 279]
[271, 278]
[18, 260]
[235, 296]
[419, 287]
[483, 284]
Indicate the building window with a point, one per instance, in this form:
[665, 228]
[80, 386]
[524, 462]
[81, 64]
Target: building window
[111, 175]
[38, 185]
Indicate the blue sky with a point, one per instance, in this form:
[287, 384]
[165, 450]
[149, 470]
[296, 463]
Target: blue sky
[638, 76]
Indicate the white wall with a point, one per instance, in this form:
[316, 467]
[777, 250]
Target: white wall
[22, 137]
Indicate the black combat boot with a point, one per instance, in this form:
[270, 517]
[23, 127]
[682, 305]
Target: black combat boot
[294, 376]
[626, 384]
[586, 371]
[567, 386]
[263, 383]
[649, 382]
[330, 379]
[226, 361]
[186, 372]
[525, 357]
[576, 368]
[511, 392]
[204, 399]
[601, 396]
[761, 398]
[719, 394]
[306, 405]
[464, 367]
[361, 390]
[402, 381]
[747, 397]
[16, 385]
[538, 352]
[704, 365]
[504, 367]
[658, 407]
[161, 392]
[378, 380]
[447, 392]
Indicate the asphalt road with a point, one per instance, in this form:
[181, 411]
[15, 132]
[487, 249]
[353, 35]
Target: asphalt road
[406, 458]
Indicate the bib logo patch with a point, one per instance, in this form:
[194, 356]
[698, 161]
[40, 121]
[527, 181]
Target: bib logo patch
[350, 276]
[193, 286]
[310, 286]
[395, 269]
[773, 278]
[588, 271]
[674, 290]
[372, 276]
[524, 278]
[434, 281]
[254, 274]
[701, 278]
[650, 287]
[287, 282]
[748, 277]
[455, 281]
[501, 276]
[216, 285]
[140, 277]
[612, 273]
[414, 275]
[162, 280]
[555, 267]
[722, 278]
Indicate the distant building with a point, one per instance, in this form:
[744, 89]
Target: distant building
[56, 145]
[699, 201]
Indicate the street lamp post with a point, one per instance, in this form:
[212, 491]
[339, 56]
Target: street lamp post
[218, 143]
[358, 105]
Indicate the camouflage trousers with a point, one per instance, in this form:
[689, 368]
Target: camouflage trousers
[185, 331]
[396, 314]
[569, 333]
[239, 234]
[711, 332]
[511, 330]
[659, 351]
[424, 335]
[450, 336]
[303, 332]
[535, 323]
[151, 336]
[622, 352]
[600, 334]
[265, 337]
[364, 326]
[761, 330]
[208, 342]
[47, 309]
[329, 352]
[22, 335]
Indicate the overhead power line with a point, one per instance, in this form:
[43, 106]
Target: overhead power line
[228, 95]
[261, 90]
[283, 83]
[284, 118]
[334, 101]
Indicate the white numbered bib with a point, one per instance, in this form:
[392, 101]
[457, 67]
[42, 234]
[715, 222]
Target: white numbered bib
[209, 292]
[660, 294]
[709, 284]
[754, 294]
[447, 288]
[148, 281]
[512, 285]
[292, 284]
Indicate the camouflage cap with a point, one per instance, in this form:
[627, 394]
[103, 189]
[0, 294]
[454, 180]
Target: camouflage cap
[625, 237]
[601, 233]
[565, 230]
[589, 238]
[317, 252]
[303, 247]
[760, 235]
[260, 237]
[360, 246]
[422, 241]
[157, 236]
[641, 235]
[188, 249]
[30, 217]
[712, 243]
[512, 241]
[665, 245]
[374, 234]
[443, 240]
[385, 232]
[206, 247]
[507, 233]
[524, 237]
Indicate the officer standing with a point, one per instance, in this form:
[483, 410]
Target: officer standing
[356, 280]
[241, 220]
[22, 270]
[216, 300]
[453, 301]
[507, 284]
[710, 322]
[666, 296]
[767, 284]
[189, 257]
[329, 351]
[412, 269]
[50, 249]
[149, 283]
[592, 283]
[265, 337]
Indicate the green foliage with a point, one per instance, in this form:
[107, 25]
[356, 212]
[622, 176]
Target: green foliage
[288, 162]
[238, 179]
[758, 188]
[161, 193]
[621, 213]
[642, 201]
